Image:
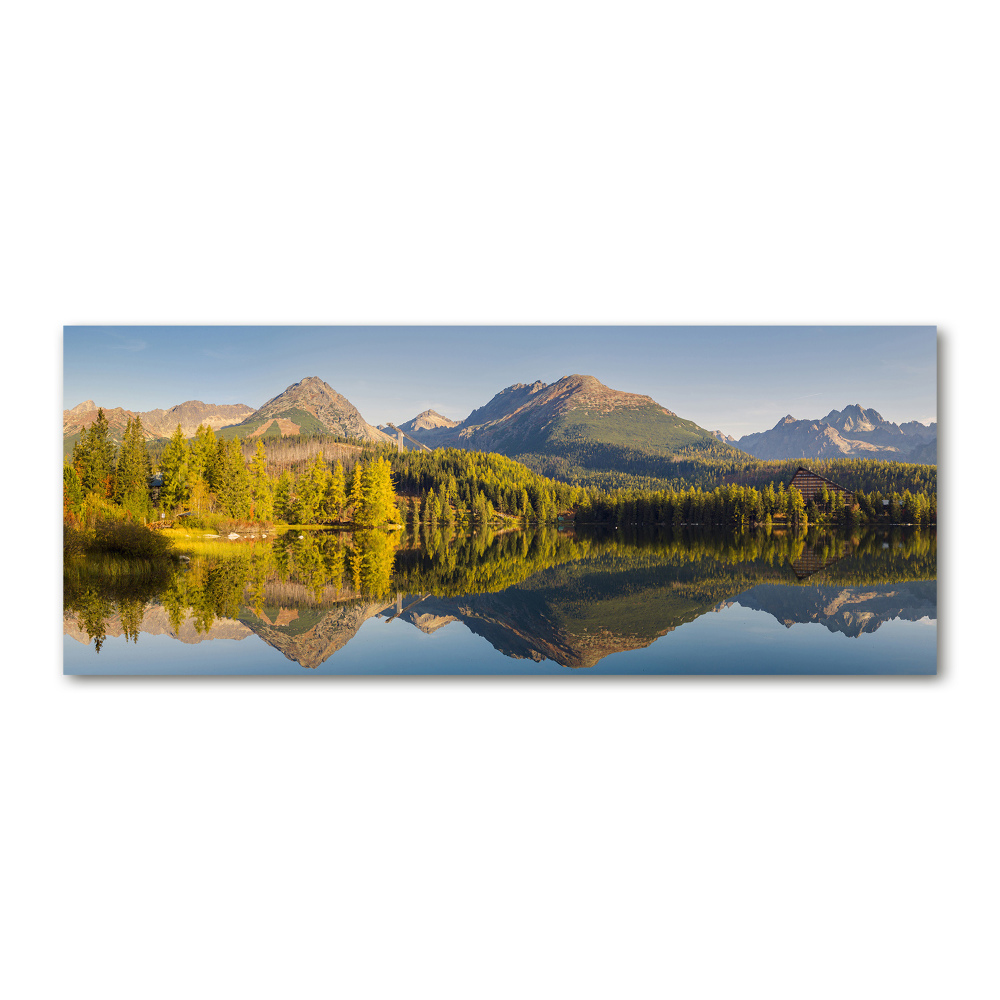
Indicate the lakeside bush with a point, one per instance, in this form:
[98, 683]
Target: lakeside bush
[74, 541]
[121, 538]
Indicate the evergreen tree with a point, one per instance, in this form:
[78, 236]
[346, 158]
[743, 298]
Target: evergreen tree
[204, 456]
[73, 495]
[479, 514]
[199, 498]
[356, 496]
[283, 506]
[260, 485]
[796, 506]
[133, 472]
[310, 491]
[233, 480]
[432, 508]
[336, 496]
[94, 457]
[175, 470]
[373, 495]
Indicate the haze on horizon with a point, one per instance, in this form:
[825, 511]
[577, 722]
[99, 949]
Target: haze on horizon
[734, 379]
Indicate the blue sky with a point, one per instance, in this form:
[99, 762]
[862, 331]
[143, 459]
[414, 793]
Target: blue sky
[734, 379]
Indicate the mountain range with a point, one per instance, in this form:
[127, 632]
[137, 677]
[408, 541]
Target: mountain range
[576, 421]
[155, 423]
[554, 419]
[853, 432]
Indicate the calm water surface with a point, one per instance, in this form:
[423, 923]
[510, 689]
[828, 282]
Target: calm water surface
[585, 602]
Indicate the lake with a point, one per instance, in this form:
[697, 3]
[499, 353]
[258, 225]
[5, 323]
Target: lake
[581, 601]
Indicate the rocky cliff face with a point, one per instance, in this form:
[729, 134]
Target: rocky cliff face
[505, 402]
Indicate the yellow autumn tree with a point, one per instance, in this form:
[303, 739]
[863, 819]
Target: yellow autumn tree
[373, 494]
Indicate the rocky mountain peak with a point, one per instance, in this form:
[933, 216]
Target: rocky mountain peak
[853, 432]
[428, 420]
[587, 392]
[506, 401]
[321, 401]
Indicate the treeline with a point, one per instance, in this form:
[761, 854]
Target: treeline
[746, 506]
[614, 467]
[289, 451]
[859, 475]
[450, 484]
[211, 475]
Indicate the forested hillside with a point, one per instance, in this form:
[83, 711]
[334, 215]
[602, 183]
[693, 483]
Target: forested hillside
[608, 468]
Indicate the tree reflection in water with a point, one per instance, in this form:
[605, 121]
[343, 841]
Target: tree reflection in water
[593, 580]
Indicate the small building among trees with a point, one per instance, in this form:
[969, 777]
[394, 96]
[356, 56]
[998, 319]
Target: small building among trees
[819, 490]
[155, 485]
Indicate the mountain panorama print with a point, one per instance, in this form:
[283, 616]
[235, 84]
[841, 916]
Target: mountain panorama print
[499, 500]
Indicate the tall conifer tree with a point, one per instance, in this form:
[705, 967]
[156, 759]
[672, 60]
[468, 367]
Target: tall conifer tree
[233, 480]
[175, 467]
[94, 457]
[133, 471]
[283, 506]
[336, 497]
[260, 485]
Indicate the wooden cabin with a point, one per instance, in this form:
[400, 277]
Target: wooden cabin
[155, 485]
[811, 485]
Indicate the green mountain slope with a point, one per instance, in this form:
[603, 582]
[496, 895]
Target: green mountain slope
[578, 409]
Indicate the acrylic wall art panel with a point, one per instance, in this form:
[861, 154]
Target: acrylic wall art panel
[500, 500]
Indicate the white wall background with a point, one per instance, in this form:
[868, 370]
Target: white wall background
[462, 162]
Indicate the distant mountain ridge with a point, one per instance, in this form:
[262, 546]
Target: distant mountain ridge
[854, 432]
[428, 420]
[307, 406]
[157, 423]
[425, 430]
[574, 424]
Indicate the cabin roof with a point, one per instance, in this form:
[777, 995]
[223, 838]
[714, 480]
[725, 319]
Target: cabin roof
[810, 472]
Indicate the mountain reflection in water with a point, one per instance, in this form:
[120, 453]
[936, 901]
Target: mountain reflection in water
[572, 598]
